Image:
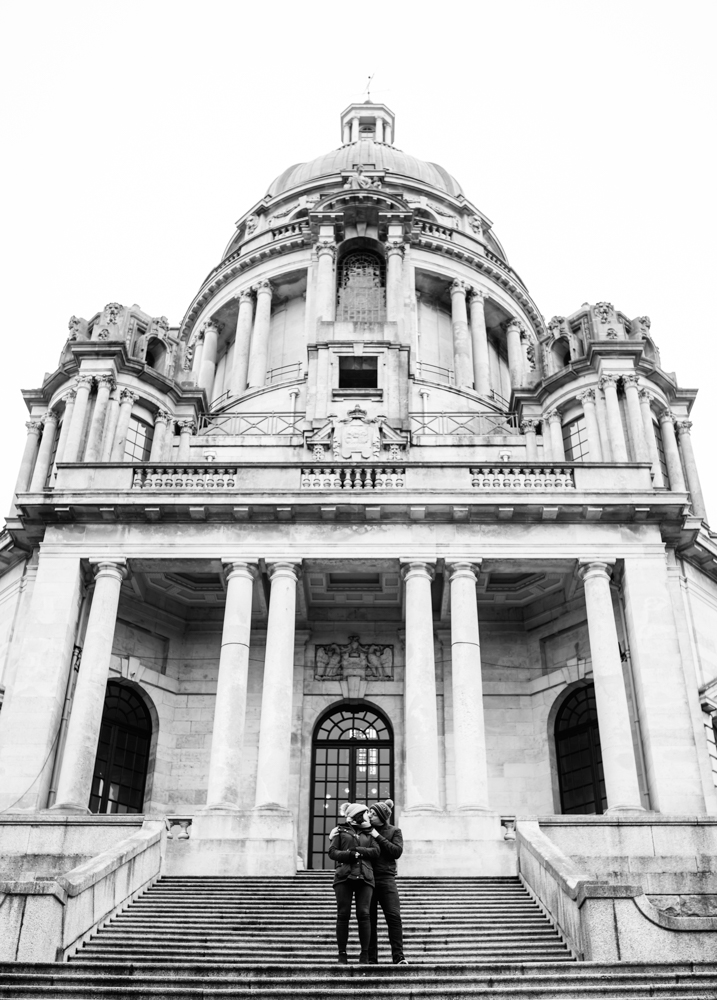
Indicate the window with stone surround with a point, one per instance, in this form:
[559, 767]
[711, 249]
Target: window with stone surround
[138, 443]
[579, 756]
[120, 772]
[575, 440]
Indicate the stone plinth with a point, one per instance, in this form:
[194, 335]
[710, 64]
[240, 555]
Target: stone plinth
[245, 842]
[455, 844]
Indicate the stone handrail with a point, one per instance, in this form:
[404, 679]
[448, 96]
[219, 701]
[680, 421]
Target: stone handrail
[522, 477]
[46, 920]
[352, 477]
[185, 477]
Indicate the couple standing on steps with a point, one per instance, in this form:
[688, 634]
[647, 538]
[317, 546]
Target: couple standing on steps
[365, 850]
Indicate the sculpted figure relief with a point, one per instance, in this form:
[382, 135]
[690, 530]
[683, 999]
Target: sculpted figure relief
[335, 661]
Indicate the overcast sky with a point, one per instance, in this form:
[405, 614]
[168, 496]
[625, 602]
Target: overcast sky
[136, 133]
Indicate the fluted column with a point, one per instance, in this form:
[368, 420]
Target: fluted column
[325, 281]
[186, 429]
[693, 478]
[29, 455]
[111, 421]
[260, 336]
[672, 453]
[649, 425]
[161, 420]
[461, 341]
[479, 337]
[394, 280]
[608, 384]
[42, 465]
[587, 400]
[272, 779]
[127, 401]
[420, 690]
[468, 719]
[83, 386]
[242, 342]
[225, 762]
[621, 784]
[515, 352]
[78, 762]
[637, 427]
[555, 427]
[529, 428]
[105, 385]
[209, 357]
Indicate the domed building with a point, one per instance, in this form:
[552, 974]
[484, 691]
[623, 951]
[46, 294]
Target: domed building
[364, 525]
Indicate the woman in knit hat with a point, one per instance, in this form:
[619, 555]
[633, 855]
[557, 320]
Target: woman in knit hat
[353, 850]
[389, 840]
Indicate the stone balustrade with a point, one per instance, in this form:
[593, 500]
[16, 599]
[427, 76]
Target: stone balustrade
[172, 477]
[522, 477]
[181, 824]
[352, 477]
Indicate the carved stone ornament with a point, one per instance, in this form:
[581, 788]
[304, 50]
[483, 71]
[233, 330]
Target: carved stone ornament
[113, 310]
[587, 396]
[162, 417]
[159, 326]
[683, 426]
[127, 396]
[188, 357]
[326, 247]
[611, 333]
[630, 380]
[645, 394]
[33, 426]
[356, 437]
[187, 426]
[370, 661]
[104, 334]
[529, 426]
[459, 287]
[282, 214]
[75, 327]
[251, 223]
[395, 247]
[644, 322]
[87, 380]
[551, 415]
[602, 310]
[211, 326]
[608, 380]
[358, 180]
[556, 325]
[476, 225]
[514, 322]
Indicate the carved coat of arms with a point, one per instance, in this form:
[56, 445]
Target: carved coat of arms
[336, 661]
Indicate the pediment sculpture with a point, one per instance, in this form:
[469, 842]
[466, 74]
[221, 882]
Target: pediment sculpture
[357, 437]
[370, 661]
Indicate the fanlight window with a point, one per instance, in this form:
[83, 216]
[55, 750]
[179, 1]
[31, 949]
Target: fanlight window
[362, 293]
[346, 724]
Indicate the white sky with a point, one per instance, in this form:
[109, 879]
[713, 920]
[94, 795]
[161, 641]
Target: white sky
[136, 133]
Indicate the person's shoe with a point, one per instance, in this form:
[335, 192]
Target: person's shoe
[373, 961]
[363, 958]
[402, 962]
[343, 958]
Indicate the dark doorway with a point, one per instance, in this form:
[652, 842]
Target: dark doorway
[122, 753]
[351, 761]
[577, 747]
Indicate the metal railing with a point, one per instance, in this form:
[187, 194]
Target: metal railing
[435, 373]
[449, 424]
[284, 373]
[262, 424]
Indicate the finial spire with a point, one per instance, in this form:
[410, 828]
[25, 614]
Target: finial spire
[368, 88]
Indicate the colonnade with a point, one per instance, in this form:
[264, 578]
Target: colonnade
[422, 755]
[351, 130]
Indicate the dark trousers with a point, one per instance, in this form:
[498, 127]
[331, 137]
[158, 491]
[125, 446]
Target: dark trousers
[386, 893]
[345, 891]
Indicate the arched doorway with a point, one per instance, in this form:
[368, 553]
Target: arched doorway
[120, 773]
[579, 758]
[351, 761]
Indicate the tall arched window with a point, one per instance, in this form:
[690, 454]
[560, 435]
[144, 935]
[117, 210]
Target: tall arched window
[138, 443]
[575, 440]
[362, 288]
[122, 753]
[579, 758]
[352, 761]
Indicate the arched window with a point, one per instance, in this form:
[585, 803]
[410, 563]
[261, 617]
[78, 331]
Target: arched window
[575, 440]
[156, 354]
[560, 352]
[352, 761]
[661, 452]
[579, 758]
[362, 291]
[138, 443]
[122, 753]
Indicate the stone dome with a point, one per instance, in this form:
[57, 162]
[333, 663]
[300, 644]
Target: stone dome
[376, 155]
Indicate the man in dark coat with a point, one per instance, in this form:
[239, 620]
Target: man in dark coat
[390, 840]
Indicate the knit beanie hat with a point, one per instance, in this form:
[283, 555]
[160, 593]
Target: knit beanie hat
[352, 810]
[383, 809]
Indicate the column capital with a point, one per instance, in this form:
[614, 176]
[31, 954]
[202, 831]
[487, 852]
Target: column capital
[113, 569]
[286, 568]
[49, 416]
[645, 395]
[33, 427]
[162, 417]
[666, 416]
[551, 415]
[247, 295]
[608, 381]
[418, 569]
[246, 569]
[476, 294]
[127, 396]
[514, 322]
[187, 425]
[587, 396]
[459, 287]
[590, 569]
[264, 288]
[107, 381]
[84, 380]
[631, 381]
[529, 425]
[70, 396]
[464, 568]
[395, 248]
[210, 326]
[683, 426]
[326, 248]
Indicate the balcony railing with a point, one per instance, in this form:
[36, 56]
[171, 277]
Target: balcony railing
[435, 373]
[452, 424]
[517, 477]
[260, 424]
[352, 477]
[186, 477]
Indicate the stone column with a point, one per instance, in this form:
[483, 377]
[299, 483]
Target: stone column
[693, 478]
[42, 465]
[637, 427]
[379, 130]
[479, 336]
[528, 427]
[83, 385]
[394, 280]
[601, 411]
[461, 341]
[127, 401]
[197, 355]
[209, 358]
[66, 424]
[260, 336]
[648, 423]
[161, 420]
[78, 762]
[28, 456]
[325, 281]
[468, 720]
[621, 784]
[557, 445]
[111, 421]
[347, 133]
[272, 779]
[515, 352]
[420, 691]
[354, 129]
[225, 762]
[587, 399]
[242, 342]
[387, 135]
[608, 384]
[672, 453]
[105, 385]
[186, 429]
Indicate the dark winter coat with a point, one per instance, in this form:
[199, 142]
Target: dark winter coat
[390, 840]
[343, 849]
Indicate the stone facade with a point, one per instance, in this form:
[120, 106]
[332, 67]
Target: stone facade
[362, 475]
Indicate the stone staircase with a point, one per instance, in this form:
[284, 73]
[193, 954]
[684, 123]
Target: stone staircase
[271, 938]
